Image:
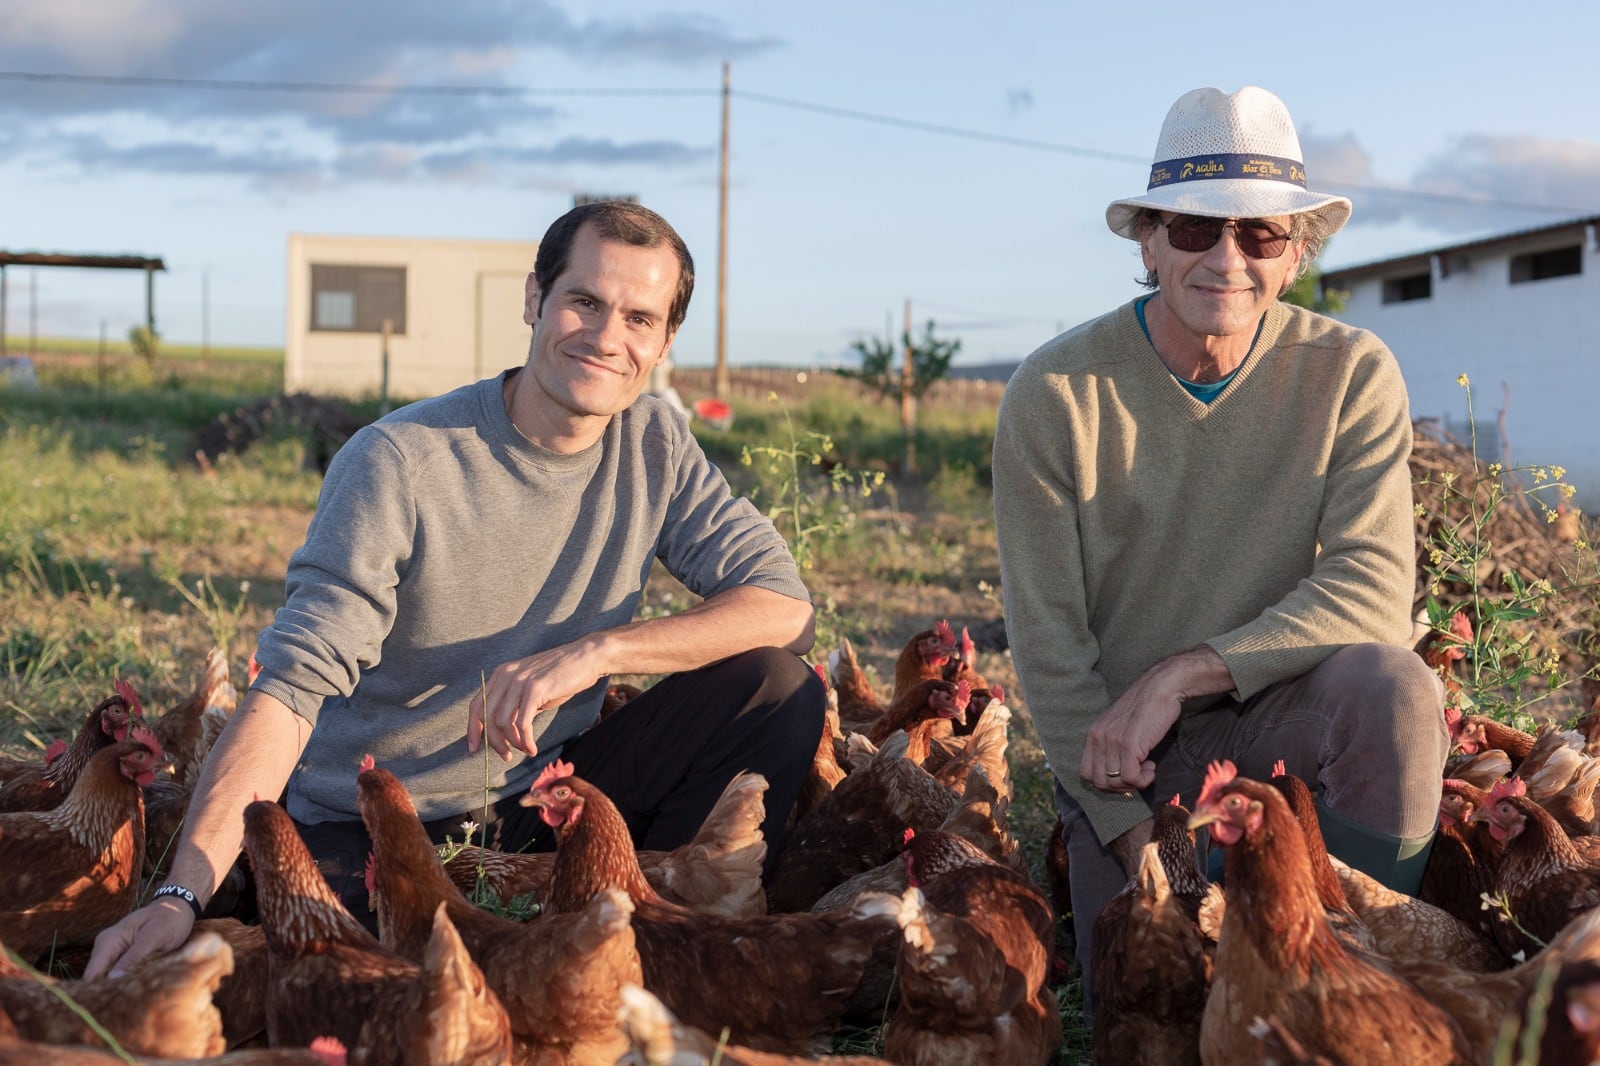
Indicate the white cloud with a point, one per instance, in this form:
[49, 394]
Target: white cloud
[1477, 183]
[381, 136]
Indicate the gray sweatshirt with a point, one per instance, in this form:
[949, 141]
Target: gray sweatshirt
[444, 544]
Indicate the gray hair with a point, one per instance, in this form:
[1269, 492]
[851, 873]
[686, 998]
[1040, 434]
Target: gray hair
[1309, 228]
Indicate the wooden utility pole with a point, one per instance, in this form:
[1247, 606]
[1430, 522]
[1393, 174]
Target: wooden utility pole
[908, 402]
[720, 384]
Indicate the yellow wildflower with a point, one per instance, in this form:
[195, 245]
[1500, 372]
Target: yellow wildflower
[1495, 469]
[1462, 381]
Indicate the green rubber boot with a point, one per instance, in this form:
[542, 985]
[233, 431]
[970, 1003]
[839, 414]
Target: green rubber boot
[1395, 861]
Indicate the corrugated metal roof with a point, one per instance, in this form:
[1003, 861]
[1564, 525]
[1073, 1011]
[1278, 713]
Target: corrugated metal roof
[1378, 265]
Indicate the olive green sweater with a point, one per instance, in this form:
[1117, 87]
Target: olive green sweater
[1134, 521]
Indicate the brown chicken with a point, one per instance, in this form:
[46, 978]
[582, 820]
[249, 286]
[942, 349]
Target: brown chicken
[560, 976]
[1473, 733]
[161, 1007]
[1278, 956]
[1545, 880]
[45, 785]
[241, 999]
[975, 957]
[1462, 863]
[1480, 770]
[826, 769]
[74, 870]
[1445, 651]
[1561, 779]
[1153, 952]
[924, 656]
[978, 820]
[188, 730]
[859, 706]
[858, 826]
[718, 872]
[330, 977]
[324, 1051]
[657, 1038]
[925, 709]
[781, 983]
[1568, 1015]
[617, 694]
[1343, 919]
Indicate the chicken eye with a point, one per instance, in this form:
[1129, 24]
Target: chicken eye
[563, 792]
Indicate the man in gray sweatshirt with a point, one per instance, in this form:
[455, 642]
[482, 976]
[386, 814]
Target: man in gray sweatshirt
[470, 581]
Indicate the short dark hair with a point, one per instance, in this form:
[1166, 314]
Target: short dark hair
[614, 220]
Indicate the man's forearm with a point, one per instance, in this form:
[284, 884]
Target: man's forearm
[728, 623]
[1200, 671]
[252, 759]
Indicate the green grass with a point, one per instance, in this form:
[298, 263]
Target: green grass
[119, 557]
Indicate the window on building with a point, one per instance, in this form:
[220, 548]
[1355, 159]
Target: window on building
[1554, 263]
[1410, 287]
[350, 298]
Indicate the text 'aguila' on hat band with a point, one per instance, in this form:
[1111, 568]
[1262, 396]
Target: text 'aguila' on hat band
[1228, 165]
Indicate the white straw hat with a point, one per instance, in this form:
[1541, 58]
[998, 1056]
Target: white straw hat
[1229, 157]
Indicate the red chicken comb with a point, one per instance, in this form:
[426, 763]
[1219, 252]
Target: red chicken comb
[367, 763]
[57, 748]
[947, 636]
[1461, 627]
[821, 670]
[997, 694]
[969, 651]
[1174, 801]
[963, 694]
[253, 670]
[907, 836]
[1279, 770]
[1514, 786]
[1452, 719]
[553, 772]
[1219, 775]
[146, 737]
[329, 1050]
[129, 696]
[371, 873]
[1456, 784]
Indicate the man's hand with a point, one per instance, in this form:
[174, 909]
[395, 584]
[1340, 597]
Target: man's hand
[502, 711]
[156, 928]
[1129, 845]
[1116, 754]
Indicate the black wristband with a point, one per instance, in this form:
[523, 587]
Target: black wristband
[179, 892]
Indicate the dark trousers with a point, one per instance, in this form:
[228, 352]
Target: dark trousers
[663, 758]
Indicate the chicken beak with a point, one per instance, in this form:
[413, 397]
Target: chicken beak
[1202, 818]
[529, 800]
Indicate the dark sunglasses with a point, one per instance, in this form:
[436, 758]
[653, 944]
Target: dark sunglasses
[1257, 238]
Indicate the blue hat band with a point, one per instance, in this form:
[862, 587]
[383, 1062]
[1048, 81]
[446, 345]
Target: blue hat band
[1228, 165]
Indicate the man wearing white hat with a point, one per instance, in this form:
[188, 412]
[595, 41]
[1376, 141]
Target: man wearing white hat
[1205, 521]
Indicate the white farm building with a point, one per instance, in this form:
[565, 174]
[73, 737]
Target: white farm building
[1519, 314]
[453, 310]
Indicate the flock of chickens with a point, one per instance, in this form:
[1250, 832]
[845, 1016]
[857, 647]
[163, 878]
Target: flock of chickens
[1300, 959]
[900, 900]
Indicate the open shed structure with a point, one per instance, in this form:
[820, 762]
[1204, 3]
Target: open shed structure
[92, 262]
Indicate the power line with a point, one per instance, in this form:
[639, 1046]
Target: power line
[853, 114]
[934, 127]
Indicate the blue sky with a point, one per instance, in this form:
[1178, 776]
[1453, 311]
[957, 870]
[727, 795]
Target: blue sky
[834, 221]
